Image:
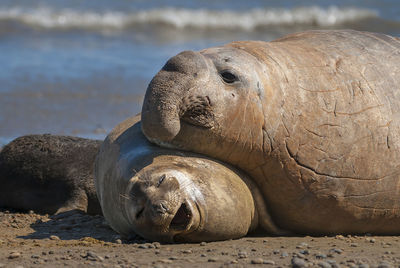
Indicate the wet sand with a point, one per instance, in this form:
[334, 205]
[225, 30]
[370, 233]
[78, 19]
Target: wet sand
[79, 240]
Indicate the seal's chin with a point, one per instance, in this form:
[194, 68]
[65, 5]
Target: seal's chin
[182, 219]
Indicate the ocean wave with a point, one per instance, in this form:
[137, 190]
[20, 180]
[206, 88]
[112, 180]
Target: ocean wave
[182, 18]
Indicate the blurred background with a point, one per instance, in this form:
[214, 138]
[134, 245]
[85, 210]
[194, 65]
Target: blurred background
[79, 67]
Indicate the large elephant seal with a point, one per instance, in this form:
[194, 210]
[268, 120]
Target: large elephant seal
[313, 118]
[172, 196]
[49, 174]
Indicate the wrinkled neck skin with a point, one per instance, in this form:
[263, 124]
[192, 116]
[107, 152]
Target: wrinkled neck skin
[217, 207]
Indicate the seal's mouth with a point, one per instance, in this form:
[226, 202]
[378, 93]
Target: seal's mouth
[182, 218]
[197, 111]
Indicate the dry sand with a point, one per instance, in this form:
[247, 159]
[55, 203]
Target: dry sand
[78, 240]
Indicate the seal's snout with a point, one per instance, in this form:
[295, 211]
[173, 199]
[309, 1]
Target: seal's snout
[182, 218]
[160, 208]
[164, 100]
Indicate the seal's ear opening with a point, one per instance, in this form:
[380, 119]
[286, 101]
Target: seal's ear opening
[182, 218]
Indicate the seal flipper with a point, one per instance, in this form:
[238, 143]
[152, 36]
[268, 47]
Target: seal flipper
[78, 201]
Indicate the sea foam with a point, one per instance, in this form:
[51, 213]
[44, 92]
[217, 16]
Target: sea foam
[181, 18]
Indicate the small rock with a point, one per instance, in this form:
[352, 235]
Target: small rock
[118, 241]
[187, 251]
[257, 261]
[336, 250]
[384, 264]
[157, 245]
[54, 237]
[304, 251]
[298, 263]
[35, 257]
[340, 237]
[165, 261]
[242, 255]
[143, 246]
[354, 245]
[302, 245]
[320, 256]
[203, 255]
[212, 260]
[301, 256]
[276, 251]
[173, 258]
[284, 254]
[203, 244]
[269, 262]
[324, 264]
[370, 239]
[14, 255]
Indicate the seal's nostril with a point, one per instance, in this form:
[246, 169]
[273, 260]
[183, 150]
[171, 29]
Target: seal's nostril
[160, 208]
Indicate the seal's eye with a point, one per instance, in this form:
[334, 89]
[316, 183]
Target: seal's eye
[162, 178]
[228, 77]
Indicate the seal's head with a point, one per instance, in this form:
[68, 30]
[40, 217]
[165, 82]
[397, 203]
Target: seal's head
[176, 202]
[208, 96]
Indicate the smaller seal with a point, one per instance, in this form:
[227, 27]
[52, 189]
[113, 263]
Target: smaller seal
[49, 174]
[172, 196]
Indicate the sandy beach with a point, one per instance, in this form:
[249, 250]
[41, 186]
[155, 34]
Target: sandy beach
[79, 240]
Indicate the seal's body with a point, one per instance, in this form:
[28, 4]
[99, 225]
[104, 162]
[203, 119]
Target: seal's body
[49, 174]
[313, 117]
[168, 195]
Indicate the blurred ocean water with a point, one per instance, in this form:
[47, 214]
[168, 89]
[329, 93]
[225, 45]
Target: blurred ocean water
[79, 67]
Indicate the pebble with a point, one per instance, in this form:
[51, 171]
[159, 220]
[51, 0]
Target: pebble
[157, 245]
[354, 245]
[320, 256]
[203, 255]
[298, 263]
[305, 252]
[324, 264]
[118, 241]
[165, 261]
[54, 237]
[301, 256]
[284, 254]
[276, 251]
[187, 251]
[242, 255]
[173, 258]
[257, 261]
[14, 255]
[212, 260]
[269, 262]
[203, 244]
[336, 250]
[93, 256]
[384, 265]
